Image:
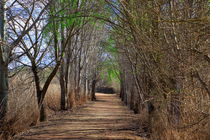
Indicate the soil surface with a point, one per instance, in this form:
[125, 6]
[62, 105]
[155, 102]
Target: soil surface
[105, 119]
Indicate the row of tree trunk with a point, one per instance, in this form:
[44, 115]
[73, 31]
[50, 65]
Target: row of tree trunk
[53, 41]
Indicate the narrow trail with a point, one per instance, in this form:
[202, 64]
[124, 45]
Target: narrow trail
[105, 119]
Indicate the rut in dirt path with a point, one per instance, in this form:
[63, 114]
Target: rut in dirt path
[105, 119]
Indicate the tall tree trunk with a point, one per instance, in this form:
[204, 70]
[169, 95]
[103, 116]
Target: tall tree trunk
[122, 89]
[89, 89]
[132, 99]
[2, 20]
[43, 114]
[3, 67]
[75, 80]
[62, 74]
[3, 90]
[86, 89]
[63, 88]
[93, 96]
[42, 109]
[66, 77]
[42, 92]
[78, 74]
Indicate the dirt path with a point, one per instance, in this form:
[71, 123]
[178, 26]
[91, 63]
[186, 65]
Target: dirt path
[105, 119]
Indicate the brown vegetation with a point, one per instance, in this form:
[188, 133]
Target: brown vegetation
[22, 106]
[164, 60]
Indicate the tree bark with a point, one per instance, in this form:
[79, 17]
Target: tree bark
[43, 113]
[63, 88]
[3, 67]
[42, 92]
[93, 96]
[122, 89]
[3, 90]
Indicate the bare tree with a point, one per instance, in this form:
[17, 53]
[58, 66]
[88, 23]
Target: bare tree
[6, 49]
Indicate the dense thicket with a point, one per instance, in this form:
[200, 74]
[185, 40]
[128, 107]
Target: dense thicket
[164, 53]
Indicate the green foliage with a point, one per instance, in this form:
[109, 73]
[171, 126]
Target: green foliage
[110, 71]
[113, 72]
[110, 65]
[61, 17]
[109, 47]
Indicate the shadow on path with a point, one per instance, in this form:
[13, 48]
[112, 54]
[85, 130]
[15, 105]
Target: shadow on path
[105, 119]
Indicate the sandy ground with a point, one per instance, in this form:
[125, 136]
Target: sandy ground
[105, 119]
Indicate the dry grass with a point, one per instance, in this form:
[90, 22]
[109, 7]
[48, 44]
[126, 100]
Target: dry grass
[22, 105]
[194, 119]
[162, 130]
[81, 101]
[52, 99]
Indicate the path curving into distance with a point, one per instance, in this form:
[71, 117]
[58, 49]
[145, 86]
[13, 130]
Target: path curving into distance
[105, 119]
